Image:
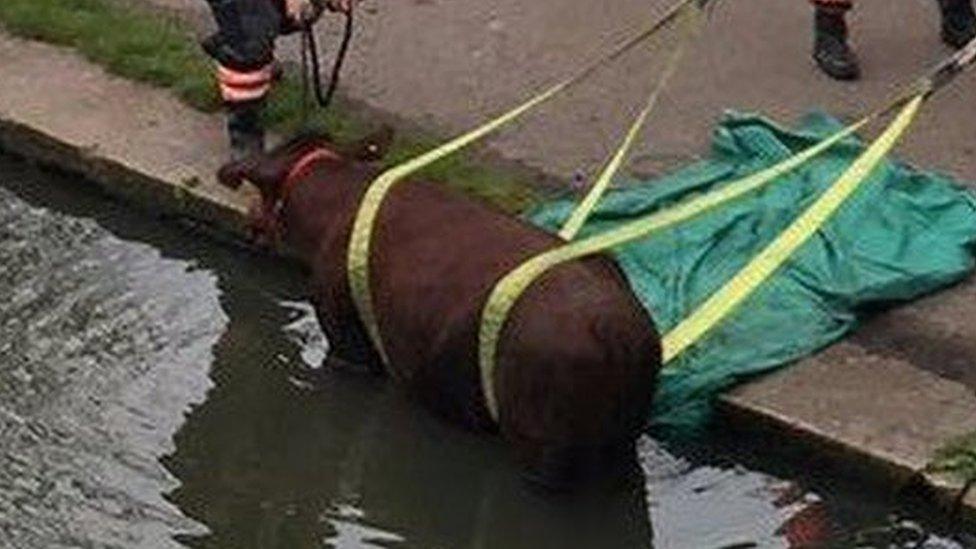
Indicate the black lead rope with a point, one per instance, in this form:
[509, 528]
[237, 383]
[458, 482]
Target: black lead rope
[311, 75]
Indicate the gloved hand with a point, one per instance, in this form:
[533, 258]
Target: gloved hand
[344, 6]
[303, 12]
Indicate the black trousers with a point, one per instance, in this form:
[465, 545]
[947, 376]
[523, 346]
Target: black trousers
[246, 33]
[243, 48]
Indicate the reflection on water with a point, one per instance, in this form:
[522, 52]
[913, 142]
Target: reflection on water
[154, 392]
[355, 464]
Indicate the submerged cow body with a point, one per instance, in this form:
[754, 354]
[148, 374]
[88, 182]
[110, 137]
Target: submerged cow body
[577, 360]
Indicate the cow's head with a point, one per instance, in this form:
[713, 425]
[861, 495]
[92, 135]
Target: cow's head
[274, 172]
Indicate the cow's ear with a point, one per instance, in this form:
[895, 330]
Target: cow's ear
[235, 173]
[263, 171]
[373, 147]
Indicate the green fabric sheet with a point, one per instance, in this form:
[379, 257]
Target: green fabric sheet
[905, 233]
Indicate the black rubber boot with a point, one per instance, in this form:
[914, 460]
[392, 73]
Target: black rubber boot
[958, 22]
[831, 50]
[245, 130]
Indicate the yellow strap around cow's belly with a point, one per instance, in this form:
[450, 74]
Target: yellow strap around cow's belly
[757, 271]
[364, 224]
[507, 292]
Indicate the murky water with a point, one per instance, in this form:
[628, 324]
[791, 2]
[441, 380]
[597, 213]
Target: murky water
[154, 393]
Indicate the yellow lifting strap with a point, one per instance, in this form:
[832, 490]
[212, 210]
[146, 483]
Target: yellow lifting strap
[585, 208]
[508, 291]
[760, 268]
[364, 224]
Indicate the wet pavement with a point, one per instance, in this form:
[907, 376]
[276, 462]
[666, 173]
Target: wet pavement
[155, 392]
[943, 346]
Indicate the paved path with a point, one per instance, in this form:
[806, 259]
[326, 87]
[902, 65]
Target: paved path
[451, 63]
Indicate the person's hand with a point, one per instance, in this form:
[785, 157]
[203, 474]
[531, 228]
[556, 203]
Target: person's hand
[303, 12]
[343, 6]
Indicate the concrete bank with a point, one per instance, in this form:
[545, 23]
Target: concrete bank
[877, 397]
[134, 141]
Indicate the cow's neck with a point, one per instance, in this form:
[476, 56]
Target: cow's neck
[321, 209]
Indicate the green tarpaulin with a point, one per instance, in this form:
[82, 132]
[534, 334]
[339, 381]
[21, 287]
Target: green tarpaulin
[905, 233]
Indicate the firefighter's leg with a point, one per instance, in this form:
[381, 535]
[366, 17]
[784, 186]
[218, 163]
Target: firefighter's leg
[831, 49]
[243, 48]
[958, 22]
[244, 129]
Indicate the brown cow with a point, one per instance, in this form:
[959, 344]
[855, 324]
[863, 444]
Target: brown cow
[577, 362]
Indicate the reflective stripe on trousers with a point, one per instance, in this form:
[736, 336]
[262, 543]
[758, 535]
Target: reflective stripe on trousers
[243, 86]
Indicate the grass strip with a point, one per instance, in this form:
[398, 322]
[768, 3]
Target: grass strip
[957, 459]
[149, 47]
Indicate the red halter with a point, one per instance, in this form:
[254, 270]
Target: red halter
[301, 168]
[270, 220]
